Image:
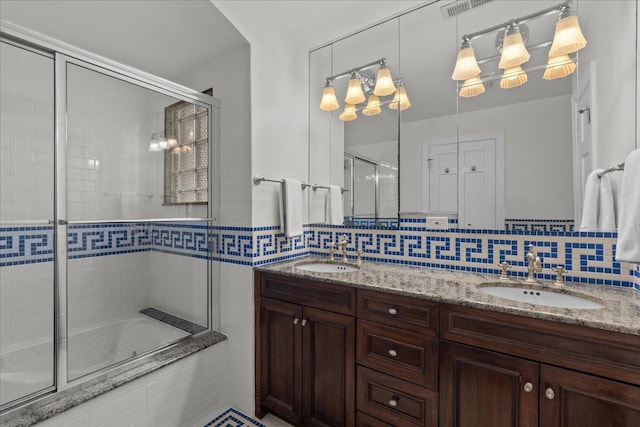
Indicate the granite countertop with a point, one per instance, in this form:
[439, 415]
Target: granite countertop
[621, 312]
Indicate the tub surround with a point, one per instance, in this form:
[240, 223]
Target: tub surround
[57, 403]
[456, 287]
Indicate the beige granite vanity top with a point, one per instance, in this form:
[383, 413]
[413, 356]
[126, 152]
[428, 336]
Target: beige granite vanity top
[621, 312]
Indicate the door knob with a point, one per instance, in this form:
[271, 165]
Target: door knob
[394, 401]
[549, 393]
[393, 353]
[304, 322]
[392, 311]
[528, 387]
[296, 321]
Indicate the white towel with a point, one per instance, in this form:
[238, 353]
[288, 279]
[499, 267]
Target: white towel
[598, 210]
[591, 203]
[334, 211]
[292, 207]
[628, 246]
[606, 209]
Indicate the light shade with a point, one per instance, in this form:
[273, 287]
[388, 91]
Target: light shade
[513, 50]
[349, 113]
[472, 87]
[466, 64]
[400, 99]
[559, 67]
[354, 91]
[373, 106]
[329, 101]
[568, 37]
[513, 77]
[384, 82]
[154, 146]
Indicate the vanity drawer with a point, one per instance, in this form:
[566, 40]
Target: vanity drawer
[412, 314]
[325, 296]
[394, 400]
[365, 420]
[407, 355]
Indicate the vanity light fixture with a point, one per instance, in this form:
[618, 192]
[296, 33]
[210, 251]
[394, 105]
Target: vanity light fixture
[472, 87]
[510, 42]
[373, 106]
[329, 101]
[400, 98]
[362, 83]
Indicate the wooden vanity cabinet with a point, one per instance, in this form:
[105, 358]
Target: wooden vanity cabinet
[305, 351]
[482, 386]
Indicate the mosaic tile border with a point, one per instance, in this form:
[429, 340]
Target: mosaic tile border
[233, 418]
[589, 257]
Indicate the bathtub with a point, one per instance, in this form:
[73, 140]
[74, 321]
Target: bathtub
[30, 369]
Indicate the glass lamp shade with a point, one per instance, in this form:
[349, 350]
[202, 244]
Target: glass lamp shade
[568, 37]
[559, 67]
[513, 52]
[472, 87]
[349, 113]
[373, 106]
[513, 77]
[329, 101]
[400, 99]
[154, 146]
[354, 92]
[466, 65]
[384, 82]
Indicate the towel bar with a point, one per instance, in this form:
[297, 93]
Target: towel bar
[316, 186]
[258, 179]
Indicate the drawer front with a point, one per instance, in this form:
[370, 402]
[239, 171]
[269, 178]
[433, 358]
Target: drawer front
[395, 401]
[407, 355]
[366, 420]
[596, 351]
[408, 313]
[325, 296]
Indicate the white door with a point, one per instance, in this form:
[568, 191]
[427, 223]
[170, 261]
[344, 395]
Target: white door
[442, 167]
[477, 184]
[584, 144]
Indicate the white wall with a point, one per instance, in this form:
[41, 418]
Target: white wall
[542, 193]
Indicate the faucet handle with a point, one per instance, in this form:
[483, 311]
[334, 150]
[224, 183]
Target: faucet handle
[504, 266]
[561, 272]
[359, 257]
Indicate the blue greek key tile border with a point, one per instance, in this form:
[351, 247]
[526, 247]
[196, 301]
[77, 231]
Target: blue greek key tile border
[26, 245]
[589, 257]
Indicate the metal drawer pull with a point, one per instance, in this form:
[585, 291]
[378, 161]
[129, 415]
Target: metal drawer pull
[549, 393]
[394, 401]
[528, 387]
[304, 322]
[296, 321]
[392, 311]
[393, 353]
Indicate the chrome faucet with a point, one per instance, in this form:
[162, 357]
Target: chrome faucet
[534, 264]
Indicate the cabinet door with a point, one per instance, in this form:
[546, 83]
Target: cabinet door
[280, 363]
[572, 399]
[480, 388]
[328, 368]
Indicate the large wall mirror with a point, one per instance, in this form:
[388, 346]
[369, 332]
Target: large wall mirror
[513, 158]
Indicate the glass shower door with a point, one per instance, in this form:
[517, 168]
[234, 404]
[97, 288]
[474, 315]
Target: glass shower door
[27, 291]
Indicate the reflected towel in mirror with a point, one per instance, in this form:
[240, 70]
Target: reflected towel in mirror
[291, 218]
[598, 210]
[628, 246]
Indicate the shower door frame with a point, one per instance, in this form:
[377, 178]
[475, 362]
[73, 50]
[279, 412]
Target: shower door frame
[64, 54]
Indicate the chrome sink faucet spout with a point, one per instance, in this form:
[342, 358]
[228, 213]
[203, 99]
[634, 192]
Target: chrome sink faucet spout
[534, 264]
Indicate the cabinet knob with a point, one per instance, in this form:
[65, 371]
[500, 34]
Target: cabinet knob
[549, 393]
[296, 321]
[528, 387]
[304, 322]
[394, 401]
[392, 311]
[393, 353]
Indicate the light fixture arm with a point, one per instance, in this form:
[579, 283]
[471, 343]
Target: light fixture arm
[370, 65]
[560, 7]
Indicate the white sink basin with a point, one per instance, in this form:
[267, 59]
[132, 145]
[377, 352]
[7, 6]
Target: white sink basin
[327, 267]
[549, 298]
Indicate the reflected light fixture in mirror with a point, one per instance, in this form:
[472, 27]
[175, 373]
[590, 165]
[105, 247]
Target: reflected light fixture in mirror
[361, 84]
[400, 98]
[568, 38]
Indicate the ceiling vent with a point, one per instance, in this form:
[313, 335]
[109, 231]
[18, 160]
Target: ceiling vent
[462, 6]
